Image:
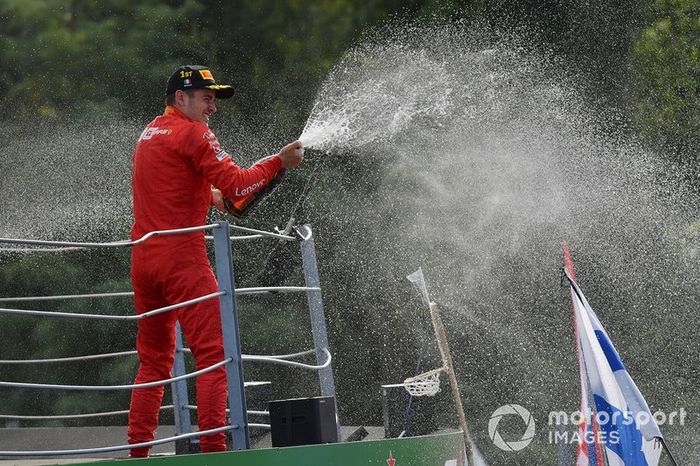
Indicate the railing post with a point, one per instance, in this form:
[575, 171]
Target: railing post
[181, 397]
[318, 319]
[232, 341]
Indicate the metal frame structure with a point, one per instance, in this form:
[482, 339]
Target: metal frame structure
[233, 358]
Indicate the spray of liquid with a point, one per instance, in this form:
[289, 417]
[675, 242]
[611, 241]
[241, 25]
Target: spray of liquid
[73, 182]
[68, 183]
[489, 158]
[361, 104]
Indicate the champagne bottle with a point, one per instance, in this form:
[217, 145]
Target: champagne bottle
[242, 206]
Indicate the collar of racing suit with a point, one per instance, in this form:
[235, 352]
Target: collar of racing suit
[171, 110]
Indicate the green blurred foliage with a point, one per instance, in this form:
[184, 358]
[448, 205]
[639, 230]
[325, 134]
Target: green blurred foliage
[667, 85]
[82, 57]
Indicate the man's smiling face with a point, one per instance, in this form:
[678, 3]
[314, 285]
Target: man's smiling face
[198, 104]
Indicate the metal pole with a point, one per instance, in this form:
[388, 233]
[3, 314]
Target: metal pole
[180, 395]
[441, 337]
[232, 341]
[318, 319]
[670, 456]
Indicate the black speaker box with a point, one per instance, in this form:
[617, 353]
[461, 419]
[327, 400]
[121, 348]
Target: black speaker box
[303, 421]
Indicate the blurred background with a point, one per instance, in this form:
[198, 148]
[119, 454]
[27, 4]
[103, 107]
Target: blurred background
[481, 135]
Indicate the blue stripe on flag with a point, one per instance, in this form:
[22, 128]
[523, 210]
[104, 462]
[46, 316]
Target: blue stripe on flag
[609, 351]
[621, 434]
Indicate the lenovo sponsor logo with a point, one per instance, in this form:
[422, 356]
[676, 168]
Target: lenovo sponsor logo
[249, 189]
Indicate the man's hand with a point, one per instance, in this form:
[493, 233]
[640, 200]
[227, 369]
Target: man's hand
[292, 154]
[217, 199]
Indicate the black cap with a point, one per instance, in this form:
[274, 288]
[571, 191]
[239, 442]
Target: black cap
[197, 77]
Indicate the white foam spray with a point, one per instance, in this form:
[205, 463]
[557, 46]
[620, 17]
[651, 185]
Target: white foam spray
[360, 104]
[68, 182]
[486, 158]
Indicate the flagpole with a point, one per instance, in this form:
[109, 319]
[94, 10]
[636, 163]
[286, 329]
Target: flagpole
[601, 453]
[668, 452]
[639, 401]
[441, 336]
[444, 348]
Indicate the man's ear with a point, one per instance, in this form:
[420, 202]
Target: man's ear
[180, 97]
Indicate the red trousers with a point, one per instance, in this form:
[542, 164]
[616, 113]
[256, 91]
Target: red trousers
[160, 280]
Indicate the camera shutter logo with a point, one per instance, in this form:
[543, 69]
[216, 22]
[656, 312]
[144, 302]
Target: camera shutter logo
[509, 410]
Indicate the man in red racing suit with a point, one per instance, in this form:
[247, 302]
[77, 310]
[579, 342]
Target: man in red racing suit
[177, 163]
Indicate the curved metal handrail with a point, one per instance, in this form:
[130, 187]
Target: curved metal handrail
[275, 289]
[133, 352]
[56, 417]
[262, 233]
[259, 426]
[41, 249]
[72, 416]
[78, 245]
[250, 411]
[116, 387]
[286, 356]
[110, 244]
[69, 358]
[144, 315]
[269, 359]
[284, 362]
[120, 294]
[238, 238]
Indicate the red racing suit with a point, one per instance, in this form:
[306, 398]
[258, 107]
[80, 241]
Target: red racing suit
[175, 164]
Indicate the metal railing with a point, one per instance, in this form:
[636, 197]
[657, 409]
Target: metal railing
[233, 357]
[280, 359]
